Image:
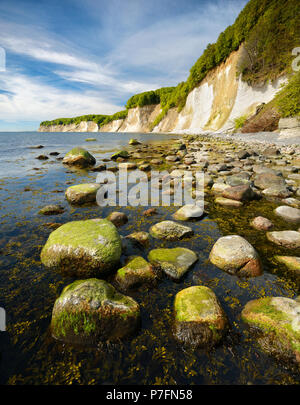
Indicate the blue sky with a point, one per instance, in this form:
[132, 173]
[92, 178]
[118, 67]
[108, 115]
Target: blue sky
[73, 57]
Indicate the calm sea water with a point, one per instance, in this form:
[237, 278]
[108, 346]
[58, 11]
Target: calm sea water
[28, 353]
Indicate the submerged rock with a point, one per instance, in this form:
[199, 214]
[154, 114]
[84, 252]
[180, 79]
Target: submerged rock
[79, 157]
[90, 311]
[199, 317]
[278, 320]
[51, 210]
[288, 239]
[82, 193]
[137, 272]
[134, 141]
[120, 154]
[142, 238]
[174, 262]
[170, 230]
[118, 218]
[226, 202]
[237, 256]
[189, 211]
[290, 214]
[83, 248]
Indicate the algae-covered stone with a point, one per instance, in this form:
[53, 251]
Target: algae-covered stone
[79, 157]
[199, 317]
[292, 264]
[141, 238]
[134, 141]
[137, 272]
[278, 320]
[120, 154]
[51, 210]
[174, 262]
[83, 248]
[82, 193]
[237, 256]
[91, 311]
[170, 230]
[189, 211]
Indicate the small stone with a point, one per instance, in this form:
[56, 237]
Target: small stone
[170, 230]
[289, 214]
[226, 202]
[239, 193]
[142, 238]
[42, 157]
[189, 211]
[118, 218]
[52, 210]
[262, 224]
[137, 272]
[149, 212]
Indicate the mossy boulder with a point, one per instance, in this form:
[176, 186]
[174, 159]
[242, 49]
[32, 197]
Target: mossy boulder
[82, 193]
[199, 317]
[174, 262]
[237, 256]
[170, 230]
[134, 141]
[120, 154]
[135, 273]
[278, 321]
[83, 248]
[90, 311]
[79, 157]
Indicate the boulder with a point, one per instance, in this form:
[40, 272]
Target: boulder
[82, 193]
[289, 214]
[276, 190]
[237, 256]
[83, 248]
[288, 239]
[92, 311]
[174, 262]
[170, 230]
[278, 322]
[79, 157]
[267, 180]
[239, 193]
[199, 317]
[189, 211]
[134, 141]
[135, 273]
[120, 154]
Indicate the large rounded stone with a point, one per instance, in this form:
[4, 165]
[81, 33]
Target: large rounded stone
[82, 193]
[278, 320]
[91, 311]
[79, 157]
[135, 273]
[288, 239]
[290, 214]
[239, 193]
[83, 248]
[236, 256]
[174, 262]
[266, 180]
[170, 230]
[199, 317]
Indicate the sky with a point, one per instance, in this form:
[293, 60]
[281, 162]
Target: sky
[73, 57]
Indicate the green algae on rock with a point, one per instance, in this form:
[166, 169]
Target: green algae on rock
[199, 317]
[135, 273]
[51, 209]
[278, 320]
[83, 248]
[118, 218]
[82, 193]
[122, 154]
[90, 311]
[237, 256]
[79, 157]
[134, 141]
[170, 230]
[174, 262]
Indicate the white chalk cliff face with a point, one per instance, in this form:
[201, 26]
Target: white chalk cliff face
[213, 106]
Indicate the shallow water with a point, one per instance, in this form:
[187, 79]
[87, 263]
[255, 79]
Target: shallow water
[29, 355]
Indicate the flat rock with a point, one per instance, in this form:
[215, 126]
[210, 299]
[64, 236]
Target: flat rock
[289, 214]
[288, 239]
[170, 230]
[226, 202]
[135, 273]
[189, 211]
[174, 262]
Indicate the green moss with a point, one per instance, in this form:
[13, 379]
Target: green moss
[240, 121]
[288, 99]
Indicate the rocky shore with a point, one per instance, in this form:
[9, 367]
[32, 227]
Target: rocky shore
[237, 173]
